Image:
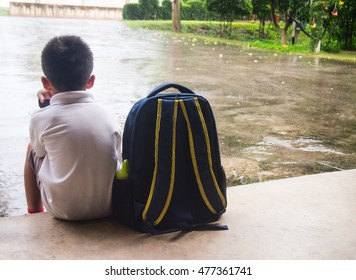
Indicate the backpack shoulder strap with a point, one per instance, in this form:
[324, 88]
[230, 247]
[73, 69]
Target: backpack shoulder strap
[164, 148]
[202, 154]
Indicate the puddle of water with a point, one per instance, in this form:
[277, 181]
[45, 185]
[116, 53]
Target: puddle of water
[299, 150]
[308, 144]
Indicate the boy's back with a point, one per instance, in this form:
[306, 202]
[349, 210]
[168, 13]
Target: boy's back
[80, 142]
[75, 146]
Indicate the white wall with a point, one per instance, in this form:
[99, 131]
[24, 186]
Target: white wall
[93, 3]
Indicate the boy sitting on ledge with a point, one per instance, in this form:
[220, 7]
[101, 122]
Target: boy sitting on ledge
[75, 146]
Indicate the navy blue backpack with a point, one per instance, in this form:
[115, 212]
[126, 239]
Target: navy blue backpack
[172, 178]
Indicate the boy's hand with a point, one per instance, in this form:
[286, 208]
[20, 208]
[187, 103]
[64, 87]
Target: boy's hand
[43, 94]
[43, 97]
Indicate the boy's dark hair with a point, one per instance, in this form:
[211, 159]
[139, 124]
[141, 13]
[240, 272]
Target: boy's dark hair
[67, 62]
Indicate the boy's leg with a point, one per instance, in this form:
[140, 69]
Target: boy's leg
[33, 194]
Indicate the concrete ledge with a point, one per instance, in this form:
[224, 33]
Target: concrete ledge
[309, 217]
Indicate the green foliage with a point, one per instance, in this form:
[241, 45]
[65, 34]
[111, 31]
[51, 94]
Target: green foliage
[270, 44]
[262, 9]
[287, 11]
[208, 28]
[314, 18]
[131, 11]
[195, 10]
[333, 46]
[149, 9]
[227, 11]
[345, 31]
[161, 25]
[321, 19]
[208, 32]
[335, 24]
[165, 10]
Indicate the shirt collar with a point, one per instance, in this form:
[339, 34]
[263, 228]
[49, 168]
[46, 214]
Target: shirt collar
[70, 97]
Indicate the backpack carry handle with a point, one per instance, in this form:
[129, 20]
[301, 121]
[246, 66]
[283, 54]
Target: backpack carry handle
[165, 86]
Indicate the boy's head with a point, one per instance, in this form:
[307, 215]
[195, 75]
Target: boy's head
[67, 63]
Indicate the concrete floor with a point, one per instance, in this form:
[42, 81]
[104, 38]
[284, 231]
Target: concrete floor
[309, 217]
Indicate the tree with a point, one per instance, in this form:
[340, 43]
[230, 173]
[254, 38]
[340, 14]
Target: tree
[320, 14]
[176, 16]
[149, 9]
[337, 19]
[132, 11]
[227, 11]
[166, 10]
[346, 24]
[195, 10]
[286, 10]
[262, 9]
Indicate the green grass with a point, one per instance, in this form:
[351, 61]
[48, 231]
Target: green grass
[243, 34]
[4, 12]
[269, 44]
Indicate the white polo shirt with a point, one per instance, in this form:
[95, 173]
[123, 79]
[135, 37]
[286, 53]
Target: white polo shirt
[81, 145]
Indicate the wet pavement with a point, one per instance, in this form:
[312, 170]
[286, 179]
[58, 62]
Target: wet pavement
[278, 115]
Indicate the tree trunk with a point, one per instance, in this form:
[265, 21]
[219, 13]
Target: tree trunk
[176, 15]
[295, 34]
[283, 36]
[273, 16]
[318, 47]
